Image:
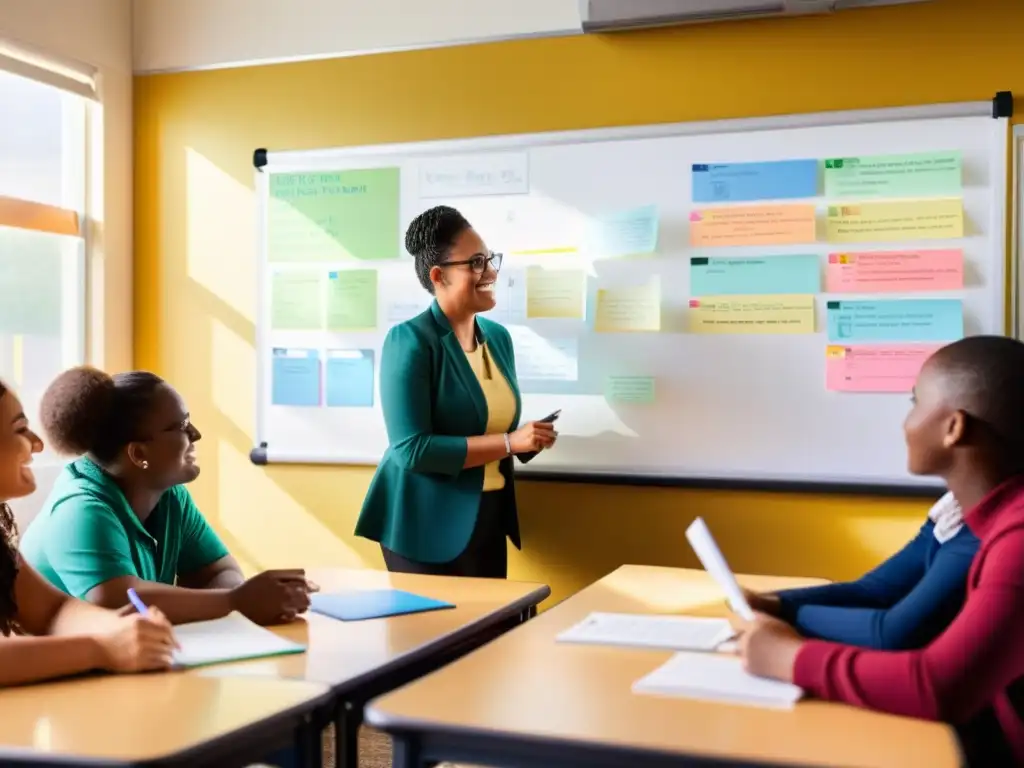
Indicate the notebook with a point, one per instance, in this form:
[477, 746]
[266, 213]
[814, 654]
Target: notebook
[359, 605]
[711, 677]
[674, 633]
[231, 638]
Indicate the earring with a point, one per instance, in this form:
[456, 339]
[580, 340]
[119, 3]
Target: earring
[145, 465]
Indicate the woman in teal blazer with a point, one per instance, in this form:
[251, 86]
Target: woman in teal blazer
[443, 498]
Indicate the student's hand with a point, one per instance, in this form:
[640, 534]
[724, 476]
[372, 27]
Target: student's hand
[769, 648]
[761, 602]
[272, 597]
[533, 436]
[138, 644]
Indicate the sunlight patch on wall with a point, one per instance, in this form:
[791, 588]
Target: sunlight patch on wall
[268, 524]
[220, 237]
[233, 377]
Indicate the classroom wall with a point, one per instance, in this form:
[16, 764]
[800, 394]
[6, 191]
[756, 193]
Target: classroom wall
[195, 265]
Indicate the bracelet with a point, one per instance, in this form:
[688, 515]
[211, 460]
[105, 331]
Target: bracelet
[508, 445]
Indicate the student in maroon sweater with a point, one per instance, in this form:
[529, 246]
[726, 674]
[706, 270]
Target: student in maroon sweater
[967, 427]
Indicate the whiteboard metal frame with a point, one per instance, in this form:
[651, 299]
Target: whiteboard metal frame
[287, 161]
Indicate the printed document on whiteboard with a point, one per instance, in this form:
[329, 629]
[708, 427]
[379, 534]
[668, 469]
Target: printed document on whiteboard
[711, 558]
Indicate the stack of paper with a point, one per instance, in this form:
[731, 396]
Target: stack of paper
[717, 678]
[674, 633]
[232, 638]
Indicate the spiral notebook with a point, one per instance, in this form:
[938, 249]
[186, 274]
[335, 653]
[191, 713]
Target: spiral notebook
[232, 638]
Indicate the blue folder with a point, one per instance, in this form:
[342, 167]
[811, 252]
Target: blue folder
[373, 604]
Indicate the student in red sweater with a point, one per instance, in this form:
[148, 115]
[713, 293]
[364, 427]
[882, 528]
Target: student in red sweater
[967, 427]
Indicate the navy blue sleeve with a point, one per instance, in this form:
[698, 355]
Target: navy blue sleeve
[915, 619]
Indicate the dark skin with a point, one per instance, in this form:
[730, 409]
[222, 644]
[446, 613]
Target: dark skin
[942, 441]
[148, 468]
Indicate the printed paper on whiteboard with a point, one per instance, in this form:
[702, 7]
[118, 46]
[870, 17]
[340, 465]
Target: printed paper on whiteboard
[711, 558]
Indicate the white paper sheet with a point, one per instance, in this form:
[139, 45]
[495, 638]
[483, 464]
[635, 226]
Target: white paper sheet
[231, 638]
[711, 558]
[674, 633]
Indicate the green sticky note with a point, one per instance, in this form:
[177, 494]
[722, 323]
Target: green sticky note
[923, 174]
[352, 300]
[296, 301]
[629, 389]
[334, 216]
[31, 282]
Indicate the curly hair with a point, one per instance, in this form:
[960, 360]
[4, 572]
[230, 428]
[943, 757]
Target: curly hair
[8, 564]
[429, 238]
[88, 411]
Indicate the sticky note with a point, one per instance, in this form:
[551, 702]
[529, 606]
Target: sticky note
[334, 216]
[629, 309]
[895, 271]
[539, 358]
[625, 233]
[296, 301]
[350, 378]
[901, 320]
[752, 314]
[922, 174]
[800, 273]
[629, 389]
[295, 377]
[875, 368]
[745, 182]
[352, 300]
[752, 225]
[895, 220]
[555, 293]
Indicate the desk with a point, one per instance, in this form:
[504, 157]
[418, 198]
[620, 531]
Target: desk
[363, 659]
[168, 720]
[526, 700]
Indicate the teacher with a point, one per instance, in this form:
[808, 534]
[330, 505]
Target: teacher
[443, 498]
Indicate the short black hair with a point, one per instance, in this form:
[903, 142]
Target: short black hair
[88, 411]
[984, 377]
[429, 238]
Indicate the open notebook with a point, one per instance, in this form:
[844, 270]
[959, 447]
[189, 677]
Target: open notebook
[231, 638]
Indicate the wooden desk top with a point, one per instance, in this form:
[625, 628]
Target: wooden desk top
[525, 686]
[341, 653]
[140, 718]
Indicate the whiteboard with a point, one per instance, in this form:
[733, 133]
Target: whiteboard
[716, 409]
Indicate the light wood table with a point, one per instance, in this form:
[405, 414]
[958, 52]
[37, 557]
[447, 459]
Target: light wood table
[525, 700]
[363, 659]
[172, 719]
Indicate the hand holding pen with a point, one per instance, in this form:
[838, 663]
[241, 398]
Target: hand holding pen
[141, 642]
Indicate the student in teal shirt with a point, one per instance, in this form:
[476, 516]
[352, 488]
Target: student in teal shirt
[119, 516]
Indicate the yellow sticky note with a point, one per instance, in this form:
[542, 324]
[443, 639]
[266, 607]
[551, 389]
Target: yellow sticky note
[629, 309]
[555, 293]
[895, 220]
[752, 225]
[752, 314]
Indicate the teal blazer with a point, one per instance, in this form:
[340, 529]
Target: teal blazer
[421, 503]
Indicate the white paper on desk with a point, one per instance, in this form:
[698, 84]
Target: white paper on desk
[672, 633]
[711, 558]
[712, 677]
[231, 638]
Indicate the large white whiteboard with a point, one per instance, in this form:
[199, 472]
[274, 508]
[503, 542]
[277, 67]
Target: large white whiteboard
[728, 408]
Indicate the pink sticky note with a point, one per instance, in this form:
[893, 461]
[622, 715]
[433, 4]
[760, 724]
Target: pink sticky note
[753, 225]
[895, 271]
[875, 368]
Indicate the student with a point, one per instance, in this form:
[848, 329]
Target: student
[120, 516]
[903, 603]
[967, 427]
[45, 633]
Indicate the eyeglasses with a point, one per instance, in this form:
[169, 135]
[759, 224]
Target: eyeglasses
[478, 263]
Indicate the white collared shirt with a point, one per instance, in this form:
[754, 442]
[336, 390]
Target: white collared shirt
[948, 518]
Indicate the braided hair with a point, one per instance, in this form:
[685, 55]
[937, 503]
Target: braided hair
[8, 564]
[429, 238]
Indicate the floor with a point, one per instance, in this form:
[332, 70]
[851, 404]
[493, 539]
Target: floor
[374, 750]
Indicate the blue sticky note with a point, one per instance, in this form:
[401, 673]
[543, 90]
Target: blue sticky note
[625, 233]
[798, 273]
[295, 377]
[350, 378]
[372, 604]
[744, 182]
[934, 320]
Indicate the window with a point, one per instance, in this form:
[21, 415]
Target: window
[43, 151]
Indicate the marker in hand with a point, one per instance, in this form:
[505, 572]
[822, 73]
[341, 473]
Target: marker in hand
[136, 601]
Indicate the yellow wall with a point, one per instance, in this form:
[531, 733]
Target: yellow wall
[195, 275]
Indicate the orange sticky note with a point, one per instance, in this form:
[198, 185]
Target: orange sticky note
[752, 225]
[881, 368]
[895, 271]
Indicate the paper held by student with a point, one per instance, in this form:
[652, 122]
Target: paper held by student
[711, 558]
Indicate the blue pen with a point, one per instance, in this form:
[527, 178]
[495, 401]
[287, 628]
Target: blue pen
[135, 600]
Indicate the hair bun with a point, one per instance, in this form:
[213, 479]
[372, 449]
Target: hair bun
[76, 408]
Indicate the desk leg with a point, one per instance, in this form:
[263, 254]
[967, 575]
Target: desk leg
[309, 745]
[346, 735]
[405, 752]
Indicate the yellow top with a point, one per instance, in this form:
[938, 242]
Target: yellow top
[501, 406]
